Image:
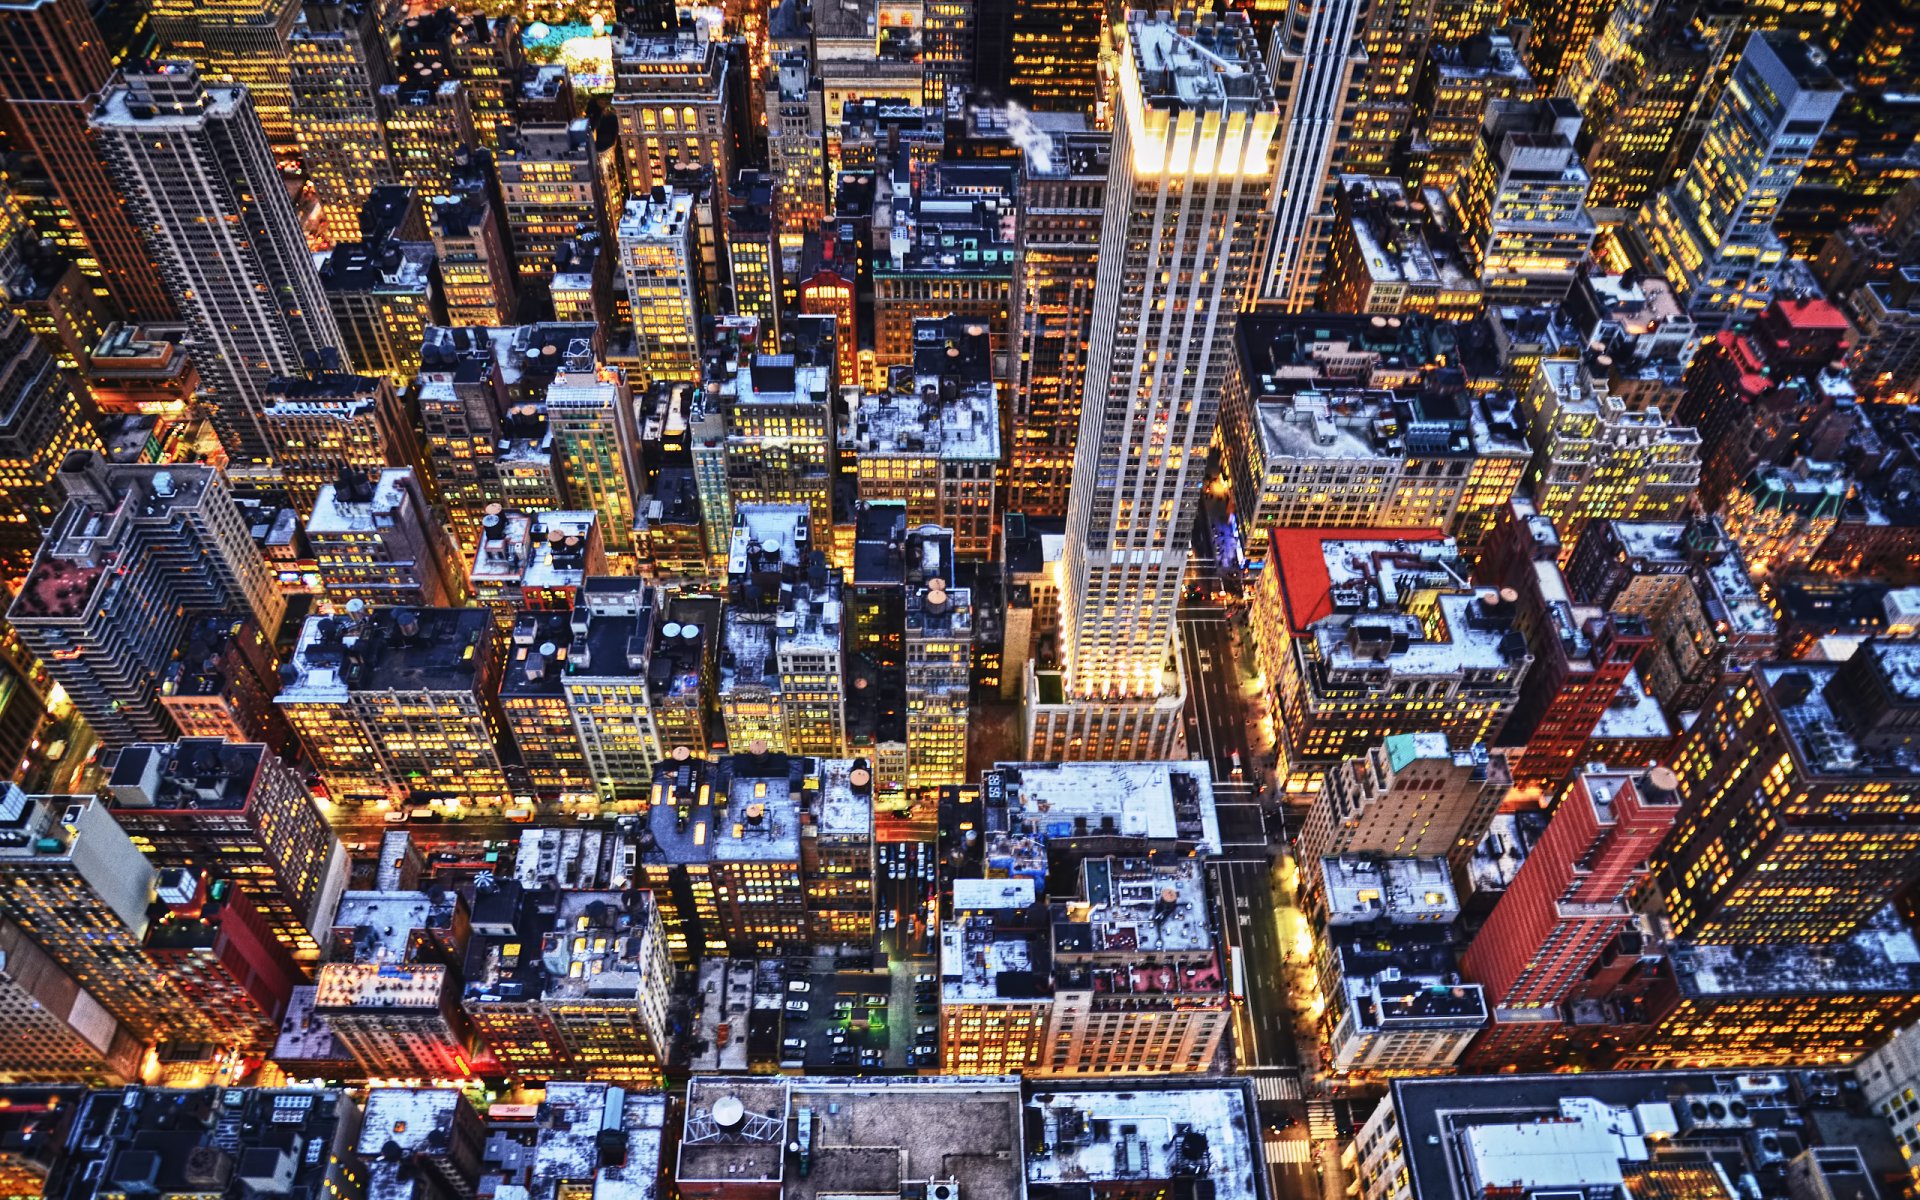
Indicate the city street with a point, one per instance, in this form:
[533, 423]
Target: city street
[1266, 1042]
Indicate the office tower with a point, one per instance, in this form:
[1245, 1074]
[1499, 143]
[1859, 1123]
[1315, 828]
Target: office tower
[656, 239]
[234, 258]
[947, 48]
[482, 51]
[482, 398]
[579, 988]
[1318, 63]
[1764, 397]
[429, 124]
[1138, 988]
[753, 248]
[1409, 796]
[836, 852]
[782, 657]
[1357, 662]
[828, 291]
[325, 422]
[1887, 361]
[552, 766]
[1582, 654]
[234, 811]
[1594, 459]
[1573, 894]
[1520, 205]
[400, 704]
[222, 958]
[1419, 457]
[934, 442]
[1688, 582]
[1785, 798]
[221, 683]
[916, 272]
[339, 65]
[670, 94]
[1559, 37]
[383, 288]
[1141, 453]
[55, 1031]
[1638, 85]
[387, 993]
[41, 424]
[1711, 233]
[1387, 258]
[993, 1022]
[590, 416]
[938, 659]
[551, 184]
[238, 42]
[376, 539]
[640, 680]
[475, 273]
[796, 148]
[79, 887]
[725, 862]
[55, 61]
[134, 554]
[876, 607]
[1386, 964]
[775, 443]
[1043, 56]
[1460, 78]
[1063, 180]
[582, 285]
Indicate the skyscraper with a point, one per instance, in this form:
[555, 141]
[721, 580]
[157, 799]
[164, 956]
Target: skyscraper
[233, 256]
[53, 60]
[1063, 180]
[41, 422]
[339, 66]
[1185, 220]
[1521, 203]
[1572, 895]
[1797, 790]
[1317, 62]
[1711, 233]
[657, 260]
[135, 552]
[242, 42]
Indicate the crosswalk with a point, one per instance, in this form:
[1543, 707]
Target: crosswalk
[1276, 1087]
[1289, 1150]
[1321, 1125]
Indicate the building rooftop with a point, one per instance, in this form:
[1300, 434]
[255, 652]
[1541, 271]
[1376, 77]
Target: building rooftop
[889, 1137]
[994, 956]
[1881, 957]
[378, 927]
[200, 774]
[1401, 890]
[1028, 804]
[1592, 1133]
[391, 649]
[1109, 1138]
[1211, 64]
[842, 793]
[356, 504]
[416, 1119]
[577, 1120]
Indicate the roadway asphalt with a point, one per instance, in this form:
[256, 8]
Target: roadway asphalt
[1265, 1043]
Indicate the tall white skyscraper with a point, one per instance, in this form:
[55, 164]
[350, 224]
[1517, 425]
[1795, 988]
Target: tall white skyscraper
[1711, 233]
[1317, 63]
[1185, 222]
[200, 182]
